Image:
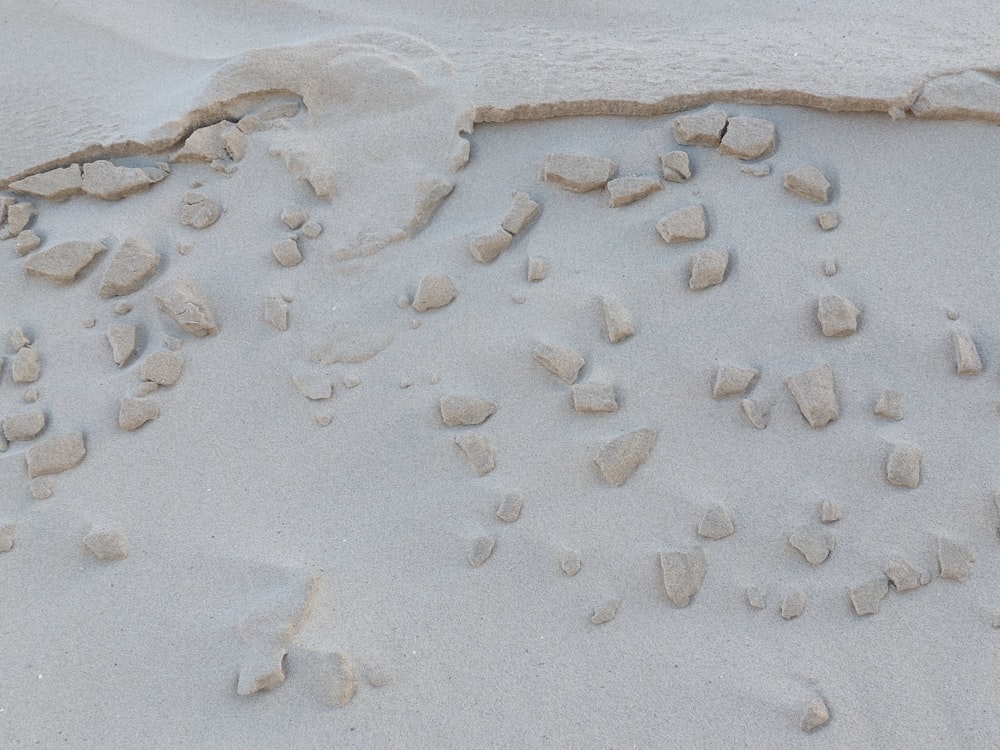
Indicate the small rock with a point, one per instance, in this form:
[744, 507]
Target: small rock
[188, 307]
[56, 185]
[830, 268]
[755, 413]
[129, 268]
[434, 290]
[287, 252]
[352, 381]
[815, 546]
[162, 368]
[606, 612]
[19, 215]
[23, 426]
[903, 467]
[793, 605]
[816, 715]
[205, 144]
[828, 220]
[27, 366]
[625, 190]
[837, 316]
[570, 562]
[324, 420]
[108, 182]
[107, 545]
[561, 361]
[487, 247]
[955, 561]
[479, 451]
[623, 455]
[756, 597]
[682, 574]
[18, 339]
[967, 360]
[133, 413]
[577, 172]
[747, 138]
[617, 320]
[62, 263]
[708, 268]
[538, 268]
[733, 381]
[594, 398]
[510, 507]
[889, 406]
[55, 455]
[276, 312]
[199, 211]
[904, 576]
[42, 487]
[756, 170]
[313, 387]
[522, 213]
[312, 229]
[830, 512]
[7, 536]
[90, 322]
[31, 395]
[676, 166]
[26, 242]
[465, 411]
[716, 523]
[294, 217]
[235, 141]
[814, 393]
[701, 129]
[808, 182]
[867, 597]
[684, 225]
[482, 548]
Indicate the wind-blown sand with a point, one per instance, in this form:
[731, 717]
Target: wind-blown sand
[361, 421]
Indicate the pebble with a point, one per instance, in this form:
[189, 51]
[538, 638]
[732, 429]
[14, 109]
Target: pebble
[570, 562]
[747, 138]
[31, 395]
[62, 263]
[204, 144]
[128, 269]
[313, 387]
[684, 225]
[701, 129]
[903, 466]
[162, 368]
[55, 455]
[708, 268]
[509, 509]
[312, 229]
[19, 216]
[7, 536]
[23, 426]
[188, 307]
[27, 366]
[830, 268]
[755, 413]
[485, 248]
[817, 714]
[954, 560]
[538, 268]
[287, 252]
[809, 183]
[756, 597]
[465, 411]
[623, 455]
[352, 381]
[756, 170]
[294, 217]
[522, 213]
[683, 573]
[828, 220]
[967, 360]
[26, 242]
[625, 190]
[479, 452]
[561, 361]
[276, 310]
[482, 548]
[42, 487]
[814, 546]
[434, 290]
[731, 380]
[617, 320]
[324, 420]
[199, 211]
[867, 597]
[107, 544]
[890, 405]
[676, 166]
[133, 412]
[606, 612]
[577, 172]
[56, 185]
[717, 523]
[90, 322]
[793, 605]
[904, 576]
[830, 512]
[814, 393]
[594, 398]
[837, 316]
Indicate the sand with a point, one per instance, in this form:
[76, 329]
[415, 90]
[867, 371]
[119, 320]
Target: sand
[387, 377]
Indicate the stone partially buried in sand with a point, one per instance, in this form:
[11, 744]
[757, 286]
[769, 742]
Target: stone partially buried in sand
[481, 550]
[717, 523]
[7, 536]
[61, 264]
[867, 597]
[109, 182]
[55, 455]
[814, 393]
[189, 308]
[479, 452]
[903, 466]
[465, 411]
[889, 405]
[747, 138]
[287, 252]
[954, 560]
[122, 338]
[816, 715]
[162, 368]
[205, 144]
[133, 412]
[708, 269]
[561, 361]
[276, 309]
[27, 366]
[967, 361]
[623, 455]
[131, 266]
[808, 182]
[434, 290]
[23, 426]
[814, 546]
[26, 242]
[578, 172]
[19, 215]
[684, 225]
[793, 605]
[904, 576]
[682, 574]
[701, 128]
[606, 612]
[731, 380]
[837, 316]
[676, 166]
[57, 185]
[617, 320]
[108, 544]
[486, 247]
[522, 213]
[625, 190]
[199, 211]
[510, 507]
[594, 398]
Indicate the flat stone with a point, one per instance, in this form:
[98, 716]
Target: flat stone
[755, 413]
[814, 546]
[133, 412]
[756, 597]
[538, 268]
[747, 138]
[56, 185]
[954, 560]
[676, 166]
[199, 211]
[313, 387]
[27, 366]
[606, 612]
[19, 339]
[41, 487]
[700, 129]
[808, 182]
[510, 507]
[717, 523]
[62, 263]
[683, 573]
[205, 144]
[623, 455]
[465, 411]
[837, 316]
[967, 360]
[521, 214]
[708, 268]
[479, 452]
[684, 225]
[294, 217]
[828, 220]
[903, 466]
[904, 576]
[793, 605]
[816, 715]
[107, 544]
[570, 563]
[187, 306]
[487, 247]
[26, 242]
[830, 512]
[561, 361]
[162, 368]
[19, 216]
[276, 311]
[731, 380]
[235, 141]
[123, 339]
[287, 252]
[814, 393]
[7, 536]
[23, 426]
[131, 266]
[625, 190]
[617, 320]
[433, 291]
[867, 597]
[482, 550]
[578, 172]
[594, 398]
[109, 182]
[312, 229]
[55, 455]
[890, 406]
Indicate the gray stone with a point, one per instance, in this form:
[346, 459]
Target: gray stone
[808, 182]
[162, 368]
[717, 523]
[904, 576]
[187, 306]
[954, 560]
[814, 393]
[479, 452]
[683, 573]
[837, 316]
[26, 242]
[122, 338]
[814, 546]
[676, 166]
[23, 426]
[606, 612]
[276, 311]
[465, 411]
[731, 380]
[684, 225]
[867, 597]
[131, 266]
[133, 412]
[522, 213]
[107, 544]
[577, 172]
[617, 320]
[27, 366]
[594, 398]
[700, 129]
[793, 605]
[104, 180]
[890, 406]
[55, 455]
[623, 455]
[199, 211]
[538, 268]
[62, 263]
[817, 714]
[708, 268]
[903, 466]
[481, 551]
[561, 361]
[19, 215]
[748, 138]
[510, 507]
[967, 360]
[625, 190]
[57, 185]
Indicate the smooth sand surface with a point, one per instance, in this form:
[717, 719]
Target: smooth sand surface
[234, 509]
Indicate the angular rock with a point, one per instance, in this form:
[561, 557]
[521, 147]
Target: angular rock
[62, 263]
[19, 339]
[903, 466]
[561, 361]
[814, 546]
[577, 172]
[733, 381]
[594, 398]
[606, 612]
[623, 455]
[682, 574]
[708, 268]
[830, 512]
[287, 252]
[104, 180]
[716, 523]
[465, 411]
[828, 220]
[487, 247]
[234, 141]
[57, 185]
[434, 290]
[814, 393]
[23, 426]
[676, 166]
[162, 368]
[313, 387]
[700, 129]
[808, 182]
[954, 560]
[41, 487]
[188, 307]
[340, 679]
[27, 366]
[205, 144]
[26, 242]
[538, 268]
[133, 412]
[123, 341]
[967, 360]
[510, 507]
[755, 413]
[294, 217]
[570, 562]
[793, 605]
[867, 597]
[756, 597]
[130, 267]
[684, 225]
[837, 316]
[479, 451]
[19, 215]
[522, 213]
[482, 548]
[199, 211]
[747, 138]
[55, 455]
[904, 576]
[889, 406]
[617, 320]
[625, 190]
[816, 715]
[276, 312]
[108, 544]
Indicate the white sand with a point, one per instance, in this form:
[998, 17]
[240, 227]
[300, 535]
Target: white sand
[352, 533]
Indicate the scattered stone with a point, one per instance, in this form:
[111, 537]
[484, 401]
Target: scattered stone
[577, 172]
[955, 561]
[479, 451]
[352, 381]
[313, 387]
[952, 314]
[133, 413]
[23, 426]
[5, 202]
[966, 356]
[205, 144]
[18, 339]
[235, 141]
[414, 324]
[756, 597]
[55, 455]
[129, 268]
[276, 312]
[482, 548]
[684, 225]
[312, 229]
[792, 605]
[606, 612]
[42, 487]
[702, 129]
[903, 467]
[815, 546]
[7, 536]
[434, 290]
[837, 316]
[756, 170]
[522, 213]
[747, 138]
[733, 381]
[830, 268]
[809, 183]
[676, 166]
[682, 574]
[814, 393]
[188, 307]
[623, 455]
[56, 185]
[904, 576]
[487, 247]
[561, 361]
[625, 190]
[108, 182]
[287, 252]
[716, 523]
[708, 268]
[510, 507]
[538, 268]
[107, 545]
[617, 320]
[31, 395]
[830, 512]
[26, 242]
[465, 411]
[889, 406]
[594, 398]
[62, 263]
[754, 412]
[162, 368]
[294, 217]
[90, 322]
[27, 366]
[324, 420]
[172, 343]
[19, 215]
[199, 211]
[867, 597]
[816, 715]
[828, 220]
[570, 562]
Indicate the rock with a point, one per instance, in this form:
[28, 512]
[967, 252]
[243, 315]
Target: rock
[479, 451]
[903, 467]
[733, 381]
[123, 342]
[617, 320]
[702, 129]
[828, 220]
[889, 406]
[577, 172]
[747, 138]
[522, 213]
[954, 560]
[199, 211]
[294, 217]
[55, 455]
[162, 368]
[570, 562]
[464, 411]
[756, 597]
[561, 361]
[625, 190]
[716, 523]
[830, 512]
[482, 548]
[606, 612]
[312, 229]
[538, 268]
[676, 166]
[57, 185]
[19, 215]
[107, 545]
[793, 605]
[31, 395]
[130, 267]
[814, 393]
[62, 263]
[133, 413]
[967, 360]
[837, 316]
[188, 307]
[594, 398]
[104, 180]
[41, 487]
[867, 597]
[708, 268]
[287, 252]
[815, 546]
[276, 312]
[235, 140]
[313, 387]
[487, 247]
[205, 144]
[682, 574]
[23, 426]
[623, 455]
[816, 715]
[7, 536]
[808, 182]
[684, 225]
[5, 202]
[26, 242]
[510, 507]
[755, 413]
[434, 290]
[904, 576]
[27, 366]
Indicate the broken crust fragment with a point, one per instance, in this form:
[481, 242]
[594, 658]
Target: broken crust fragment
[188, 307]
[62, 263]
[814, 393]
[55, 455]
[623, 455]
